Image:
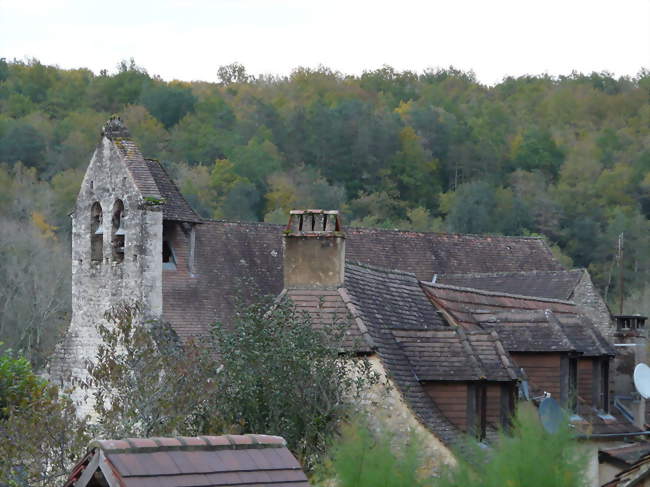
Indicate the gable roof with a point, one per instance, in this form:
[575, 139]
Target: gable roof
[428, 254]
[232, 257]
[404, 327]
[451, 354]
[150, 177]
[555, 284]
[474, 308]
[204, 461]
[527, 330]
[175, 206]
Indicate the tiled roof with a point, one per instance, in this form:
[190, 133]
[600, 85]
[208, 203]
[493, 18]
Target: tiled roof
[628, 454]
[428, 254]
[556, 284]
[402, 323]
[527, 330]
[234, 257]
[150, 177]
[451, 354]
[472, 308]
[205, 461]
[327, 308]
[175, 207]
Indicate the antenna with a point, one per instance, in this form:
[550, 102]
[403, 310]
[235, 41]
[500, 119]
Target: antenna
[642, 380]
[620, 268]
[551, 415]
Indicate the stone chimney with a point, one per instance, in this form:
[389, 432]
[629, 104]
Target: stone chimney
[314, 250]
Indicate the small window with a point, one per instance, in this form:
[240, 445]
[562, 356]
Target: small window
[573, 384]
[96, 233]
[604, 385]
[169, 261]
[117, 232]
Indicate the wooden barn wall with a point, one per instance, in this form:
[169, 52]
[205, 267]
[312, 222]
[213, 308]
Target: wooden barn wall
[542, 369]
[451, 398]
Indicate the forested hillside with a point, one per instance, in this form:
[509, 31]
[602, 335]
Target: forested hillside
[567, 158]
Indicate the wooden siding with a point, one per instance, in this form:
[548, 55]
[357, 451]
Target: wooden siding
[585, 380]
[543, 371]
[451, 398]
[494, 403]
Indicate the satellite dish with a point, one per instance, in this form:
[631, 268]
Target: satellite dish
[551, 415]
[642, 380]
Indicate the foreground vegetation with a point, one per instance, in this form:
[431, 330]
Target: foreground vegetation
[567, 157]
[527, 456]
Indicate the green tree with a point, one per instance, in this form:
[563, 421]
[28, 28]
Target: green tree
[22, 142]
[281, 375]
[528, 454]
[40, 435]
[361, 457]
[144, 382]
[168, 102]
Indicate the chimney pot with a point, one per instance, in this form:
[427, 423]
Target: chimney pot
[314, 250]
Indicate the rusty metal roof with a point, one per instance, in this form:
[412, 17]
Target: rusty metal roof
[204, 461]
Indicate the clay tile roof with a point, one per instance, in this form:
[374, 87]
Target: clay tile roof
[327, 308]
[555, 284]
[473, 307]
[207, 461]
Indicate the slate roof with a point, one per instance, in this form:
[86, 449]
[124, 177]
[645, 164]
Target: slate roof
[403, 326]
[205, 461]
[175, 206]
[527, 330]
[150, 177]
[428, 254]
[555, 284]
[451, 354]
[474, 308]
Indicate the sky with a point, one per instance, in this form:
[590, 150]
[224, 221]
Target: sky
[189, 39]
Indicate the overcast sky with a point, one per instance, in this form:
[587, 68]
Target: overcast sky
[189, 39]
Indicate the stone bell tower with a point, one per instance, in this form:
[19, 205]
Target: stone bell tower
[116, 246]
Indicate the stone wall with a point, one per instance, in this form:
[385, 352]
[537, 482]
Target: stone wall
[593, 306]
[98, 285]
[386, 408]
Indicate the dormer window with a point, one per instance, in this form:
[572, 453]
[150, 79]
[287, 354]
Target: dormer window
[117, 232]
[96, 233]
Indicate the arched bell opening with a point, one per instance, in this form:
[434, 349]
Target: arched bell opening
[117, 232]
[96, 233]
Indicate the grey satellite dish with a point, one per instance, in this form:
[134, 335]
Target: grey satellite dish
[642, 380]
[551, 415]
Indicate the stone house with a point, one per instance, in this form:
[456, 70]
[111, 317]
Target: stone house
[457, 323]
